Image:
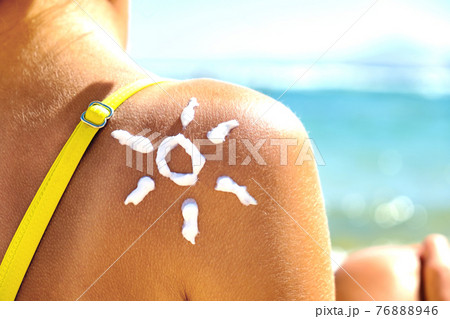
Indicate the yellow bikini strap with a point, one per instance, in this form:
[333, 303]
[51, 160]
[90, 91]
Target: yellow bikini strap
[37, 217]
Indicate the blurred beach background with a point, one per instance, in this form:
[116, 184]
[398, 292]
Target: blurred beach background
[370, 80]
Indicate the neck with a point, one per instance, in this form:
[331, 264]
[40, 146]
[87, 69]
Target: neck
[53, 55]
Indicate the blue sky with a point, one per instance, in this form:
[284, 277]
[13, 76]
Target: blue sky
[287, 29]
[401, 33]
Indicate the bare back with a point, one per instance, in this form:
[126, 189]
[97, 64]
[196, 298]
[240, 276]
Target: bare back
[256, 252]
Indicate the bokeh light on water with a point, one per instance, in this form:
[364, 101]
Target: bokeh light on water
[387, 157]
[395, 212]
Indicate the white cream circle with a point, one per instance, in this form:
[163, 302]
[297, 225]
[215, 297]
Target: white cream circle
[198, 160]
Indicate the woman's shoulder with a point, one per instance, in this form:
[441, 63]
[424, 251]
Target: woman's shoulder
[169, 97]
[266, 152]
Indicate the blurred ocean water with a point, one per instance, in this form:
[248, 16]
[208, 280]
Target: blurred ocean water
[386, 177]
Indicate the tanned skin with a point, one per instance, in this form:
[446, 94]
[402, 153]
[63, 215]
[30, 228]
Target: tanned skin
[401, 273]
[54, 61]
